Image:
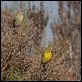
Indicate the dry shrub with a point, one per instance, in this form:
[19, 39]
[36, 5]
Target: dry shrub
[20, 63]
[68, 37]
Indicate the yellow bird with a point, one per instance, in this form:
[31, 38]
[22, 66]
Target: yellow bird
[19, 18]
[47, 56]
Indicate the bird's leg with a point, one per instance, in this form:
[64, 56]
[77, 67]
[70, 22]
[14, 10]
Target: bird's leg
[43, 67]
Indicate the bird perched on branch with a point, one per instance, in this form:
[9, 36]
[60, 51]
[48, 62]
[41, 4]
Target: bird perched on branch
[18, 20]
[47, 56]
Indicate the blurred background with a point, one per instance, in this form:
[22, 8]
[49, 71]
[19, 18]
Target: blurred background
[49, 8]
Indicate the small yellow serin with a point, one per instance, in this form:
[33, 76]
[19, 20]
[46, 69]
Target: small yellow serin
[19, 18]
[47, 56]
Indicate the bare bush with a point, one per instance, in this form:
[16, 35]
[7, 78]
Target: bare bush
[21, 52]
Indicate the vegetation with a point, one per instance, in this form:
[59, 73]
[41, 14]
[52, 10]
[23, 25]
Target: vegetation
[21, 50]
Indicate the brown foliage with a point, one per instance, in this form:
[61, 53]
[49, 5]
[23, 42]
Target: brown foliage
[18, 60]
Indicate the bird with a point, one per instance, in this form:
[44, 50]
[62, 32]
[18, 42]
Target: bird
[47, 56]
[18, 20]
